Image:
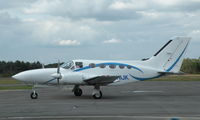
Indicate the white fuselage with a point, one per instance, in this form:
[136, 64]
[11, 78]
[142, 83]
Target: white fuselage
[80, 72]
[128, 71]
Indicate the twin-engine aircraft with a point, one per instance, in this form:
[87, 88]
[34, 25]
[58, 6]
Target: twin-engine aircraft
[97, 73]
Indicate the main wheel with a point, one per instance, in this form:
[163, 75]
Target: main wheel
[97, 95]
[34, 95]
[78, 92]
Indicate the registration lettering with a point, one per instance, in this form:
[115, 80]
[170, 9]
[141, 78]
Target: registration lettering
[123, 77]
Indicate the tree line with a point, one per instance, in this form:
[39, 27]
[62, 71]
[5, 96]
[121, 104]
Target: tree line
[7, 69]
[10, 68]
[191, 66]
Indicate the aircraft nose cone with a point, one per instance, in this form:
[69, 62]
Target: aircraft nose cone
[16, 76]
[20, 76]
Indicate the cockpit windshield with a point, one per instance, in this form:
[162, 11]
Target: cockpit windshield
[68, 65]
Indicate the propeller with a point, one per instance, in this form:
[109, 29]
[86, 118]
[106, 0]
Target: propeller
[57, 75]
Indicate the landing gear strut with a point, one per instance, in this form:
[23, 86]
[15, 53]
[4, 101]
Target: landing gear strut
[33, 94]
[77, 91]
[97, 94]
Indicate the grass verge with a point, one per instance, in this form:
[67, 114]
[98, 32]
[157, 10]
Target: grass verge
[189, 77]
[15, 87]
[9, 81]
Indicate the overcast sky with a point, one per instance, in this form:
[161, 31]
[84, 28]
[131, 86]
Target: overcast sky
[48, 30]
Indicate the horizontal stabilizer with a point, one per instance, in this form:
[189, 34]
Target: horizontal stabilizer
[171, 73]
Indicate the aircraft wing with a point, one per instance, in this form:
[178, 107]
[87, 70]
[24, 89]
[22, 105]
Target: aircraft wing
[101, 80]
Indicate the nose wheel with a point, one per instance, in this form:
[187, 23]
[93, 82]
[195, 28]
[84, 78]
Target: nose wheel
[34, 95]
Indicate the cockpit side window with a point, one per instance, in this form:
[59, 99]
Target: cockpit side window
[79, 64]
[68, 65]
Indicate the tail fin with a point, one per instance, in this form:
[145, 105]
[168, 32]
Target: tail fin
[170, 57]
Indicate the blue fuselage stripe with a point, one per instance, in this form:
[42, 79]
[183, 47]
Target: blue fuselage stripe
[142, 79]
[49, 81]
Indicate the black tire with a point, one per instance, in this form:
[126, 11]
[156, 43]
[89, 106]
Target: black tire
[34, 95]
[78, 92]
[97, 96]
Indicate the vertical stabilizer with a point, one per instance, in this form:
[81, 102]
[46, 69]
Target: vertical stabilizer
[170, 57]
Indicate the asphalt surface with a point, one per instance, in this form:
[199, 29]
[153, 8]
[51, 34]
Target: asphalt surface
[150, 100]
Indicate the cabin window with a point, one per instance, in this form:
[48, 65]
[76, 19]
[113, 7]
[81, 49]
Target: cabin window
[112, 66]
[92, 65]
[79, 64]
[129, 67]
[121, 66]
[102, 65]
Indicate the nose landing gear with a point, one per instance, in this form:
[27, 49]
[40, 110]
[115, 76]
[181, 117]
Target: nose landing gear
[34, 95]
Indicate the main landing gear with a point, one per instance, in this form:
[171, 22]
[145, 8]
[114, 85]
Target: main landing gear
[96, 94]
[77, 91]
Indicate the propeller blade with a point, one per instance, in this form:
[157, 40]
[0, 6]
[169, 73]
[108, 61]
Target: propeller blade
[58, 81]
[58, 68]
[58, 72]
